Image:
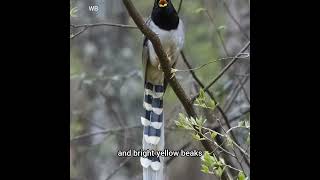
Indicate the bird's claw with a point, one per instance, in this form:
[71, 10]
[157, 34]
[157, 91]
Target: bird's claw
[173, 72]
[159, 67]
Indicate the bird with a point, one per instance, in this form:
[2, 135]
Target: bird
[167, 25]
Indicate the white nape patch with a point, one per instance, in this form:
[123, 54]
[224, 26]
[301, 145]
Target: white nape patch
[156, 165]
[147, 106]
[158, 111]
[145, 162]
[156, 125]
[144, 121]
[152, 139]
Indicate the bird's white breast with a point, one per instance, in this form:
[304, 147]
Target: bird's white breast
[172, 40]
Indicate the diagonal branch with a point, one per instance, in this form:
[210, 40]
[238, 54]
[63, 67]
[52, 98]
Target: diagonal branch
[180, 5]
[118, 168]
[225, 69]
[234, 19]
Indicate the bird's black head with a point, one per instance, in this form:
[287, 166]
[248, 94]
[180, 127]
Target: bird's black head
[164, 15]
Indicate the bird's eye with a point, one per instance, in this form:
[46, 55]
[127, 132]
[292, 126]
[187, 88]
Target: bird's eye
[163, 3]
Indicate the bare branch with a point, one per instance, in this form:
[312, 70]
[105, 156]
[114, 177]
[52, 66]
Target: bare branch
[210, 62]
[182, 148]
[104, 24]
[86, 26]
[234, 19]
[180, 5]
[113, 130]
[218, 32]
[234, 94]
[103, 132]
[239, 116]
[224, 69]
[78, 33]
[243, 89]
[118, 168]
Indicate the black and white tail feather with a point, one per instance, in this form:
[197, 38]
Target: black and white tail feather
[165, 22]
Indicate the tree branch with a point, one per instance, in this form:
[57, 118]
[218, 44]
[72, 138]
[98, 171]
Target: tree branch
[180, 5]
[182, 148]
[78, 33]
[104, 24]
[86, 26]
[225, 69]
[234, 19]
[118, 168]
[210, 62]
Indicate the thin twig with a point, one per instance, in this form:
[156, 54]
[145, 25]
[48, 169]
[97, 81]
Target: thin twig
[234, 94]
[180, 5]
[182, 148]
[78, 33]
[224, 69]
[103, 132]
[200, 67]
[104, 24]
[86, 26]
[239, 116]
[233, 142]
[218, 32]
[243, 157]
[243, 89]
[234, 19]
[235, 127]
[118, 168]
[114, 130]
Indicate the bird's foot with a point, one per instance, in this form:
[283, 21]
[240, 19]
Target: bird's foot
[173, 72]
[159, 67]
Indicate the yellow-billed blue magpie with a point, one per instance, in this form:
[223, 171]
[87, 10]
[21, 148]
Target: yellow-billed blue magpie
[165, 22]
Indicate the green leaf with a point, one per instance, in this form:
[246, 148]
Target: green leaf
[201, 94]
[212, 104]
[247, 124]
[179, 124]
[213, 134]
[200, 121]
[221, 28]
[73, 12]
[229, 141]
[219, 171]
[241, 176]
[241, 123]
[183, 122]
[248, 138]
[204, 169]
[196, 137]
[199, 10]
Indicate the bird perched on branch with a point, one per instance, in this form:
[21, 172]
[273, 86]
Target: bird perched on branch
[165, 22]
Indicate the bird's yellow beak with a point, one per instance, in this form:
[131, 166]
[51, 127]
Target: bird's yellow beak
[163, 3]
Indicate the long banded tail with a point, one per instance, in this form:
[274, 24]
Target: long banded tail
[153, 132]
[153, 119]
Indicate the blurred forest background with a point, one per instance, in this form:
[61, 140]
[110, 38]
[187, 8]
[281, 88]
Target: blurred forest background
[106, 87]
